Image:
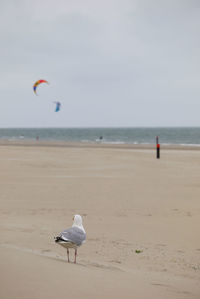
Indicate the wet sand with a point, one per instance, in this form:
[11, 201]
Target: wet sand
[141, 215]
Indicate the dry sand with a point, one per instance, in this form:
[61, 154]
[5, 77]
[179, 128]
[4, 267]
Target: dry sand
[129, 201]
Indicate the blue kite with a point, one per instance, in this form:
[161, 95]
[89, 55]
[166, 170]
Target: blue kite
[58, 105]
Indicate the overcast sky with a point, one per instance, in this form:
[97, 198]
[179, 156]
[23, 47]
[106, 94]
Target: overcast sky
[110, 63]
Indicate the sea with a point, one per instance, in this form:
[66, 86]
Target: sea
[173, 135]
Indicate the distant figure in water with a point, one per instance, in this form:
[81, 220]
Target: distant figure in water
[37, 138]
[99, 139]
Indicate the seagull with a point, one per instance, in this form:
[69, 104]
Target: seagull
[72, 237]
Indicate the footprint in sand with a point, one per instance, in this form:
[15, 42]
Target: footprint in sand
[45, 250]
[116, 261]
[161, 245]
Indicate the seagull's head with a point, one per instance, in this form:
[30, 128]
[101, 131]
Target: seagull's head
[77, 220]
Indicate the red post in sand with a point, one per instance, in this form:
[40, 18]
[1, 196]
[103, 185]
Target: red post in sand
[157, 148]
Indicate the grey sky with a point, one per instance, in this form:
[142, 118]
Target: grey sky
[109, 62]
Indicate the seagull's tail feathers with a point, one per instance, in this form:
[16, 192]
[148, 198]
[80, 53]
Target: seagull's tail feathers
[59, 239]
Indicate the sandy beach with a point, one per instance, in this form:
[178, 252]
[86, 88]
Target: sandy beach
[141, 215]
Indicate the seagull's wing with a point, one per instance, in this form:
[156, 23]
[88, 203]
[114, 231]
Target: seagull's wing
[74, 235]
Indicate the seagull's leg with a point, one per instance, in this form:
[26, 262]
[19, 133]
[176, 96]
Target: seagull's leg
[68, 254]
[75, 255]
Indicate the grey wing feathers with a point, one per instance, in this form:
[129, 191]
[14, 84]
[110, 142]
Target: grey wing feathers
[74, 235]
